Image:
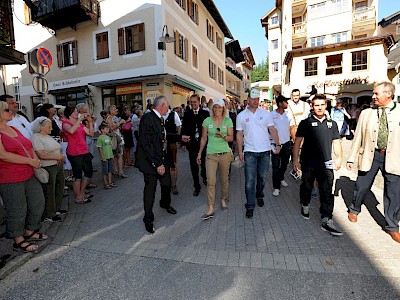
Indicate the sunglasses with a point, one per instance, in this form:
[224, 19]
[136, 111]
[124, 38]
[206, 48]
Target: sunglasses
[7, 110]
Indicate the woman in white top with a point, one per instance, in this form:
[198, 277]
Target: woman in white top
[52, 159]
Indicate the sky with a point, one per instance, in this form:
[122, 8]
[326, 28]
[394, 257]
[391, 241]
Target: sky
[243, 20]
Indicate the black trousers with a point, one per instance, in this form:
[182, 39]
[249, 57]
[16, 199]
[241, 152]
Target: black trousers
[193, 149]
[325, 182]
[391, 192]
[150, 185]
[279, 164]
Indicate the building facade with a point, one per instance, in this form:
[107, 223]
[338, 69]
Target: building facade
[123, 56]
[342, 61]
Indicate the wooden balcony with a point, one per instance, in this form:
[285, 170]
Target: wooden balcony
[298, 7]
[299, 34]
[364, 20]
[57, 14]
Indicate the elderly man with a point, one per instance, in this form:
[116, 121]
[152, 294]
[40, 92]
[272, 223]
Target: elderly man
[18, 121]
[376, 144]
[153, 161]
[257, 126]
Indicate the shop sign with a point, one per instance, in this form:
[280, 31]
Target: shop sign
[129, 89]
[152, 94]
[153, 84]
[331, 83]
[181, 90]
[67, 83]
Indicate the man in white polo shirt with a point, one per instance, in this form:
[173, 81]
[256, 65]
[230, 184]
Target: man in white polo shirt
[256, 125]
[282, 123]
[18, 121]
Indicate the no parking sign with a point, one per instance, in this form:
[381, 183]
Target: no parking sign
[44, 57]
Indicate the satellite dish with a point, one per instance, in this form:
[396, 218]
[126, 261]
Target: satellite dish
[165, 38]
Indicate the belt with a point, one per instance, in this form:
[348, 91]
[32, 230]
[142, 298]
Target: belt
[220, 153]
[381, 151]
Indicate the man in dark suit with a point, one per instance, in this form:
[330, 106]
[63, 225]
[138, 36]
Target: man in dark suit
[152, 160]
[191, 136]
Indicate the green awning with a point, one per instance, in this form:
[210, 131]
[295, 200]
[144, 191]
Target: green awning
[188, 84]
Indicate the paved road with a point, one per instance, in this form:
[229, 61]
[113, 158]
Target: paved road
[101, 250]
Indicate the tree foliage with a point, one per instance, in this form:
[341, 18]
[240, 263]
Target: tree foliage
[260, 71]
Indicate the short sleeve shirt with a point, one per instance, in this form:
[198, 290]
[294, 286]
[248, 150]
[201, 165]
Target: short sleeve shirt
[282, 123]
[77, 141]
[217, 144]
[298, 111]
[47, 144]
[255, 129]
[318, 137]
[104, 142]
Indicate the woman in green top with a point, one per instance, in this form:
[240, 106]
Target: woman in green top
[218, 130]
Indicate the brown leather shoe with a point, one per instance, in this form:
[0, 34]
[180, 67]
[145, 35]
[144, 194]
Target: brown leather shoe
[395, 235]
[352, 217]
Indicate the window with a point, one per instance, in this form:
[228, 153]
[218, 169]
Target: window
[339, 6]
[274, 44]
[131, 39]
[275, 20]
[398, 79]
[317, 41]
[195, 59]
[102, 45]
[334, 64]
[210, 31]
[339, 37]
[275, 67]
[362, 5]
[359, 60]
[311, 66]
[317, 8]
[219, 41]
[398, 29]
[220, 76]
[67, 54]
[181, 46]
[360, 36]
[181, 3]
[193, 11]
[211, 69]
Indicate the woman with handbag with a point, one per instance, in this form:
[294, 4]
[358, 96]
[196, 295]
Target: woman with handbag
[114, 122]
[126, 131]
[21, 192]
[218, 130]
[52, 159]
[78, 152]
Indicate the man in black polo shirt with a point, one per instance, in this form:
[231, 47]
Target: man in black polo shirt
[318, 133]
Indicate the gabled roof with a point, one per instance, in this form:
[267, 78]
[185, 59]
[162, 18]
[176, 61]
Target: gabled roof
[249, 55]
[264, 20]
[389, 20]
[212, 8]
[394, 58]
[233, 50]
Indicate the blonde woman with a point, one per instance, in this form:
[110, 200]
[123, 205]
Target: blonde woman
[218, 131]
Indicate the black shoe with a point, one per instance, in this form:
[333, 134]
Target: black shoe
[149, 227]
[328, 227]
[53, 219]
[170, 210]
[249, 213]
[205, 181]
[61, 212]
[305, 212]
[196, 193]
[260, 202]
[207, 216]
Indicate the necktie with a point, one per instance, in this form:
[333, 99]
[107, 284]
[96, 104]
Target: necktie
[195, 112]
[164, 133]
[383, 132]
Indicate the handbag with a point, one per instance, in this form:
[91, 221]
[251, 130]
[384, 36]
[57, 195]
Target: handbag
[116, 140]
[41, 174]
[232, 156]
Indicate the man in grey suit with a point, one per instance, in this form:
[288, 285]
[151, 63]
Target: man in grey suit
[376, 144]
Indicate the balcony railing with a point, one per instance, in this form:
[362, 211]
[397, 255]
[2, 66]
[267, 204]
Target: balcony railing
[57, 14]
[367, 14]
[299, 29]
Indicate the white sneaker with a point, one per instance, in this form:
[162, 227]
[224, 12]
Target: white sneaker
[275, 192]
[284, 183]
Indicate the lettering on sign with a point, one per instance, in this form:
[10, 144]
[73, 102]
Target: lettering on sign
[129, 89]
[151, 95]
[331, 83]
[66, 83]
[180, 90]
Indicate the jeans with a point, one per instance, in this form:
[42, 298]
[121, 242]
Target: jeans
[325, 182]
[216, 162]
[255, 169]
[279, 164]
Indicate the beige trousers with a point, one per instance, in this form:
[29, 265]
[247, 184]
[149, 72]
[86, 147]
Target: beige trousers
[216, 162]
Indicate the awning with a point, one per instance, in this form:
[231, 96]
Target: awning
[188, 84]
[10, 56]
[123, 81]
[75, 89]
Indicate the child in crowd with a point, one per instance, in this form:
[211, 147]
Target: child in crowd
[106, 156]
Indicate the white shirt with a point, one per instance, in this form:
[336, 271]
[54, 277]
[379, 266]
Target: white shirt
[298, 111]
[255, 129]
[178, 121]
[282, 123]
[22, 124]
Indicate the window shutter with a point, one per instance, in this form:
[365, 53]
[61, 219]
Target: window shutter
[176, 36]
[75, 52]
[99, 48]
[141, 37]
[209, 68]
[184, 4]
[196, 13]
[105, 45]
[59, 57]
[208, 29]
[186, 50]
[121, 41]
[190, 9]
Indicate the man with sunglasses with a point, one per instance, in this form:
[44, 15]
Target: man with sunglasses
[18, 121]
[191, 136]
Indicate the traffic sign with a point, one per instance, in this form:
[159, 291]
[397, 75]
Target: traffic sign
[40, 84]
[44, 57]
